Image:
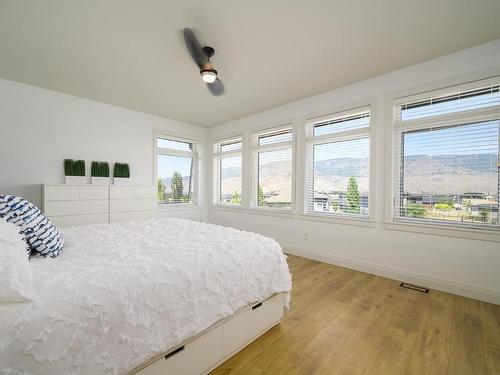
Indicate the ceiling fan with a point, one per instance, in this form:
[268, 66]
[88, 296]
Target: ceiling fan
[201, 56]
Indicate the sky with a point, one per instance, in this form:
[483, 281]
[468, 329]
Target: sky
[480, 138]
[167, 165]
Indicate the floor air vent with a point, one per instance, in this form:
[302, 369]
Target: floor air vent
[415, 287]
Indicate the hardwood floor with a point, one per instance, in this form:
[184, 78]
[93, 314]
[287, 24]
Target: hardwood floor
[347, 322]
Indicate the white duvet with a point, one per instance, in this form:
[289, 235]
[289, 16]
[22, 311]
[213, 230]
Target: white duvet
[124, 293]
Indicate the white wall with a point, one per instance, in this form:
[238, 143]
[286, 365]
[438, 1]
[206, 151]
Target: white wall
[39, 128]
[463, 266]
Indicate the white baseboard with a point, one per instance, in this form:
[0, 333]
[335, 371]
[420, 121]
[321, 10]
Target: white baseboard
[432, 282]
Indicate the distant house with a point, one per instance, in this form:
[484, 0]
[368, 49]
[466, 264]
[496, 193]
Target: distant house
[324, 201]
[477, 205]
[281, 198]
[321, 201]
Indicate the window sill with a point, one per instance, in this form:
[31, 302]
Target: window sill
[271, 212]
[228, 207]
[254, 211]
[177, 206]
[335, 219]
[445, 230]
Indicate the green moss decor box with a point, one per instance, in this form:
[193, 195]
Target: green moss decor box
[99, 170]
[121, 174]
[74, 172]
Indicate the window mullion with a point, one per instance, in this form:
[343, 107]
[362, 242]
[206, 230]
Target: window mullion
[274, 146]
[171, 152]
[480, 115]
[339, 137]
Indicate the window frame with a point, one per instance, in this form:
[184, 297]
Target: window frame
[218, 155]
[282, 145]
[395, 127]
[194, 154]
[344, 135]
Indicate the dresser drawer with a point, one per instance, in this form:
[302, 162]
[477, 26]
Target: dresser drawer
[64, 208]
[127, 205]
[94, 192]
[61, 193]
[66, 221]
[74, 193]
[132, 192]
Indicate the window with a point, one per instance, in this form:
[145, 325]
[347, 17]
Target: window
[228, 160]
[274, 168]
[176, 170]
[338, 164]
[446, 157]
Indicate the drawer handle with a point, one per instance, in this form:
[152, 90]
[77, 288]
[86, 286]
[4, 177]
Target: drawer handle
[172, 353]
[257, 306]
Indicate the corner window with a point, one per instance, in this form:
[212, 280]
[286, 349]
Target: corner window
[228, 172]
[273, 150]
[446, 159]
[176, 170]
[338, 167]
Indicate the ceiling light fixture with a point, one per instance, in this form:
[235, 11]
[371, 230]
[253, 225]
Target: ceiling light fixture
[208, 75]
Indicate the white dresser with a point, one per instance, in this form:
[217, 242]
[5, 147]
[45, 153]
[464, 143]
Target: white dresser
[92, 204]
[132, 202]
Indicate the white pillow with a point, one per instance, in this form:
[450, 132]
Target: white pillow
[16, 279]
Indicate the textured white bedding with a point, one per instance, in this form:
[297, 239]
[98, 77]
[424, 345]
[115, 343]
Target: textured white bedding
[123, 293]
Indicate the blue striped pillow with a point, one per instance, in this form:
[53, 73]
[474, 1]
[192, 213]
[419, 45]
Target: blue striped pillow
[41, 235]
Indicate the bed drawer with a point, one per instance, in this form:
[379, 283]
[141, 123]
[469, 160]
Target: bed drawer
[242, 329]
[194, 358]
[215, 346]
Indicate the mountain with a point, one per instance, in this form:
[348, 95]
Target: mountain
[451, 174]
[342, 167]
[460, 164]
[231, 172]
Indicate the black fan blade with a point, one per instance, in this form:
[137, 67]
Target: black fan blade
[194, 48]
[216, 87]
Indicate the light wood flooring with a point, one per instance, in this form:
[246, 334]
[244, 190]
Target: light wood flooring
[347, 322]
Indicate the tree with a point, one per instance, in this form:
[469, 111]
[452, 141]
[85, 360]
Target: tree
[352, 196]
[415, 210]
[261, 199]
[334, 206]
[236, 198]
[177, 187]
[444, 206]
[161, 190]
[484, 215]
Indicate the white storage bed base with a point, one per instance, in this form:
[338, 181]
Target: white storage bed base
[204, 352]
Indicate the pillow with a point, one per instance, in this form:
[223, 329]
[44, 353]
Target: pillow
[16, 280]
[42, 236]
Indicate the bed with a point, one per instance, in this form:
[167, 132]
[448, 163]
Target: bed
[147, 297]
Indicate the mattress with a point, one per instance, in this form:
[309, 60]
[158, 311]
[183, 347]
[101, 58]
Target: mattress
[124, 293]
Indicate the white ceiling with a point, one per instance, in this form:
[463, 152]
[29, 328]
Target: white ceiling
[268, 52]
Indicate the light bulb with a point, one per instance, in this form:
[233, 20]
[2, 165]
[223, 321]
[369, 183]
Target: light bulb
[208, 76]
